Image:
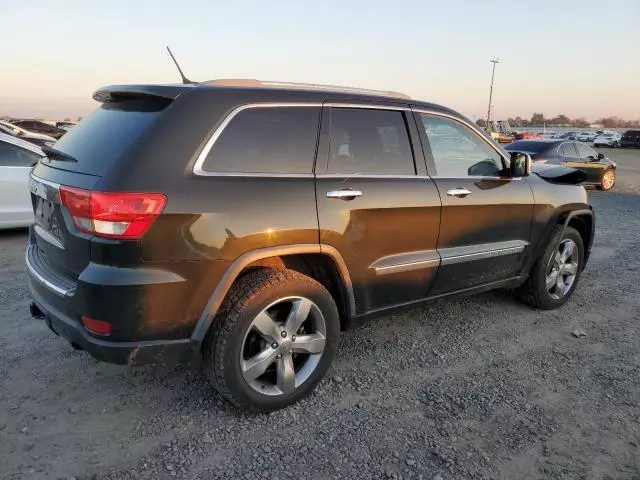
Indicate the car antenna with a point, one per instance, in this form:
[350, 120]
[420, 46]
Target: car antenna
[184, 79]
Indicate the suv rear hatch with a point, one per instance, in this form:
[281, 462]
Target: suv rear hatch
[69, 213]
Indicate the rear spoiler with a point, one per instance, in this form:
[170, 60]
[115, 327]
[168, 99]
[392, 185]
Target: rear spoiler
[169, 92]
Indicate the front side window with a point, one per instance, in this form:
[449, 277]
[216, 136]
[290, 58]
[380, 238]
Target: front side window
[14, 156]
[267, 140]
[458, 151]
[369, 141]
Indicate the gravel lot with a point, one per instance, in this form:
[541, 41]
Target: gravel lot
[476, 388]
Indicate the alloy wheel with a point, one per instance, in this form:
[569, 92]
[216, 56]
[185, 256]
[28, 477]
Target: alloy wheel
[283, 346]
[608, 179]
[563, 269]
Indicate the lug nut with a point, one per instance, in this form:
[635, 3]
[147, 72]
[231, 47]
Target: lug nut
[274, 345]
[293, 339]
[283, 334]
[279, 356]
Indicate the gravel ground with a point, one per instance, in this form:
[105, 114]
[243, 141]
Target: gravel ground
[477, 388]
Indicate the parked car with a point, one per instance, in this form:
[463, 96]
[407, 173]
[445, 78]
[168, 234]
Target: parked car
[599, 170]
[17, 158]
[278, 215]
[568, 136]
[586, 136]
[36, 126]
[609, 139]
[630, 138]
[35, 138]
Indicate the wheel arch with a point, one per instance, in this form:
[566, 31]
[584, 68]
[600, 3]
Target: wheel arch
[296, 257]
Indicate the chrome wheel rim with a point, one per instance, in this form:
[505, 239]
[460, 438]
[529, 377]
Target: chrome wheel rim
[563, 269]
[607, 180]
[283, 346]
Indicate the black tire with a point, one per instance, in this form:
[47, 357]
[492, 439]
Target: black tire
[223, 344]
[606, 186]
[534, 292]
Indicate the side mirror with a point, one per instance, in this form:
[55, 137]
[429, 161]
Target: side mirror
[519, 164]
[600, 156]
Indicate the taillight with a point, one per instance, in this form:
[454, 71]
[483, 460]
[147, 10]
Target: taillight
[111, 214]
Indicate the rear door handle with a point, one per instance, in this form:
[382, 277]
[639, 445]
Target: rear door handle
[458, 192]
[344, 194]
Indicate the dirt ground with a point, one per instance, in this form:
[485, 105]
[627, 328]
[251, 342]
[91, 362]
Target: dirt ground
[477, 388]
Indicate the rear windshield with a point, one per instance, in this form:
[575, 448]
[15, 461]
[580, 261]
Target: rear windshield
[632, 133]
[100, 138]
[528, 146]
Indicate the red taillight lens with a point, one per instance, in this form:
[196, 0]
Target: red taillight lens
[111, 214]
[96, 326]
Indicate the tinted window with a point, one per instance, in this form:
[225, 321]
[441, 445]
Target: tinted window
[527, 146]
[369, 141]
[458, 151]
[267, 140]
[14, 156]
[99, 139]
[568, 150]
[585, 152]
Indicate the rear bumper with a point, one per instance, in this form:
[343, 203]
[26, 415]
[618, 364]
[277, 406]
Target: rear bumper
[122, 353]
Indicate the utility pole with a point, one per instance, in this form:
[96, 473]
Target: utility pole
[493, 73]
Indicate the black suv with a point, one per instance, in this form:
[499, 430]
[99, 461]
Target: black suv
[630, 138]
[251, 222]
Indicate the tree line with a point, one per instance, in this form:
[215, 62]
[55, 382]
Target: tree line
[539, 120]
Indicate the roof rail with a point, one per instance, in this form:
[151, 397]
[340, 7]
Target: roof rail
[250, 82]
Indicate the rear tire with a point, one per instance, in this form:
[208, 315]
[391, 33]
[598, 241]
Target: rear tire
[272, 341]
[553, 278]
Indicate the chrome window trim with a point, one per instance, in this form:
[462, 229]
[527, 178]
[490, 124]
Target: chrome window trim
[474, 128]
[202, 156]
[65, 292]
[197, 167]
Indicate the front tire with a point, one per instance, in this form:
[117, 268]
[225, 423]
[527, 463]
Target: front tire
[272, 341]
[555, 275]
[607, 181]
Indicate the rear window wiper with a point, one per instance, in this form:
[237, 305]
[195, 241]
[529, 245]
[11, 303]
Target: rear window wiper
[58, 155]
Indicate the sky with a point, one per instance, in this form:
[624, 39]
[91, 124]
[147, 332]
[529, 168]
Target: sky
[580, 58]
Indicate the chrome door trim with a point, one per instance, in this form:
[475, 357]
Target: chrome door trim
[454, 255]
[404, 262]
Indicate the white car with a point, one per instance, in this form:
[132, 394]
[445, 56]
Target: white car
[608, 139]
[586, 136]
[17, 158]
[11, 129]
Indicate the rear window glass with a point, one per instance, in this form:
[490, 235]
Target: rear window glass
[528, 147]
[632, 133]
[103, 136]
[267, 140]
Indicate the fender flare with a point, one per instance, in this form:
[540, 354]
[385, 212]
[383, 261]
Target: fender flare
[236, 267]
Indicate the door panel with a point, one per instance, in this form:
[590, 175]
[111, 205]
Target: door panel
[486, 220]
[386, 225]
[15, 201]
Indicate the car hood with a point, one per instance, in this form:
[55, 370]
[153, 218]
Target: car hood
[558, 173]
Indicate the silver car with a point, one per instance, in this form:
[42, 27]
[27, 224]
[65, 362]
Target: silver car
[17, 158]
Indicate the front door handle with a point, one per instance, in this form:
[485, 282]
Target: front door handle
[458, 192]
[344, 194]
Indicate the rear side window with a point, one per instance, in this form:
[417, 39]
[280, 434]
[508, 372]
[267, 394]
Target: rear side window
[101, 138]
[267, 140]
[14, 156]
[585, 152]
[369, 141]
